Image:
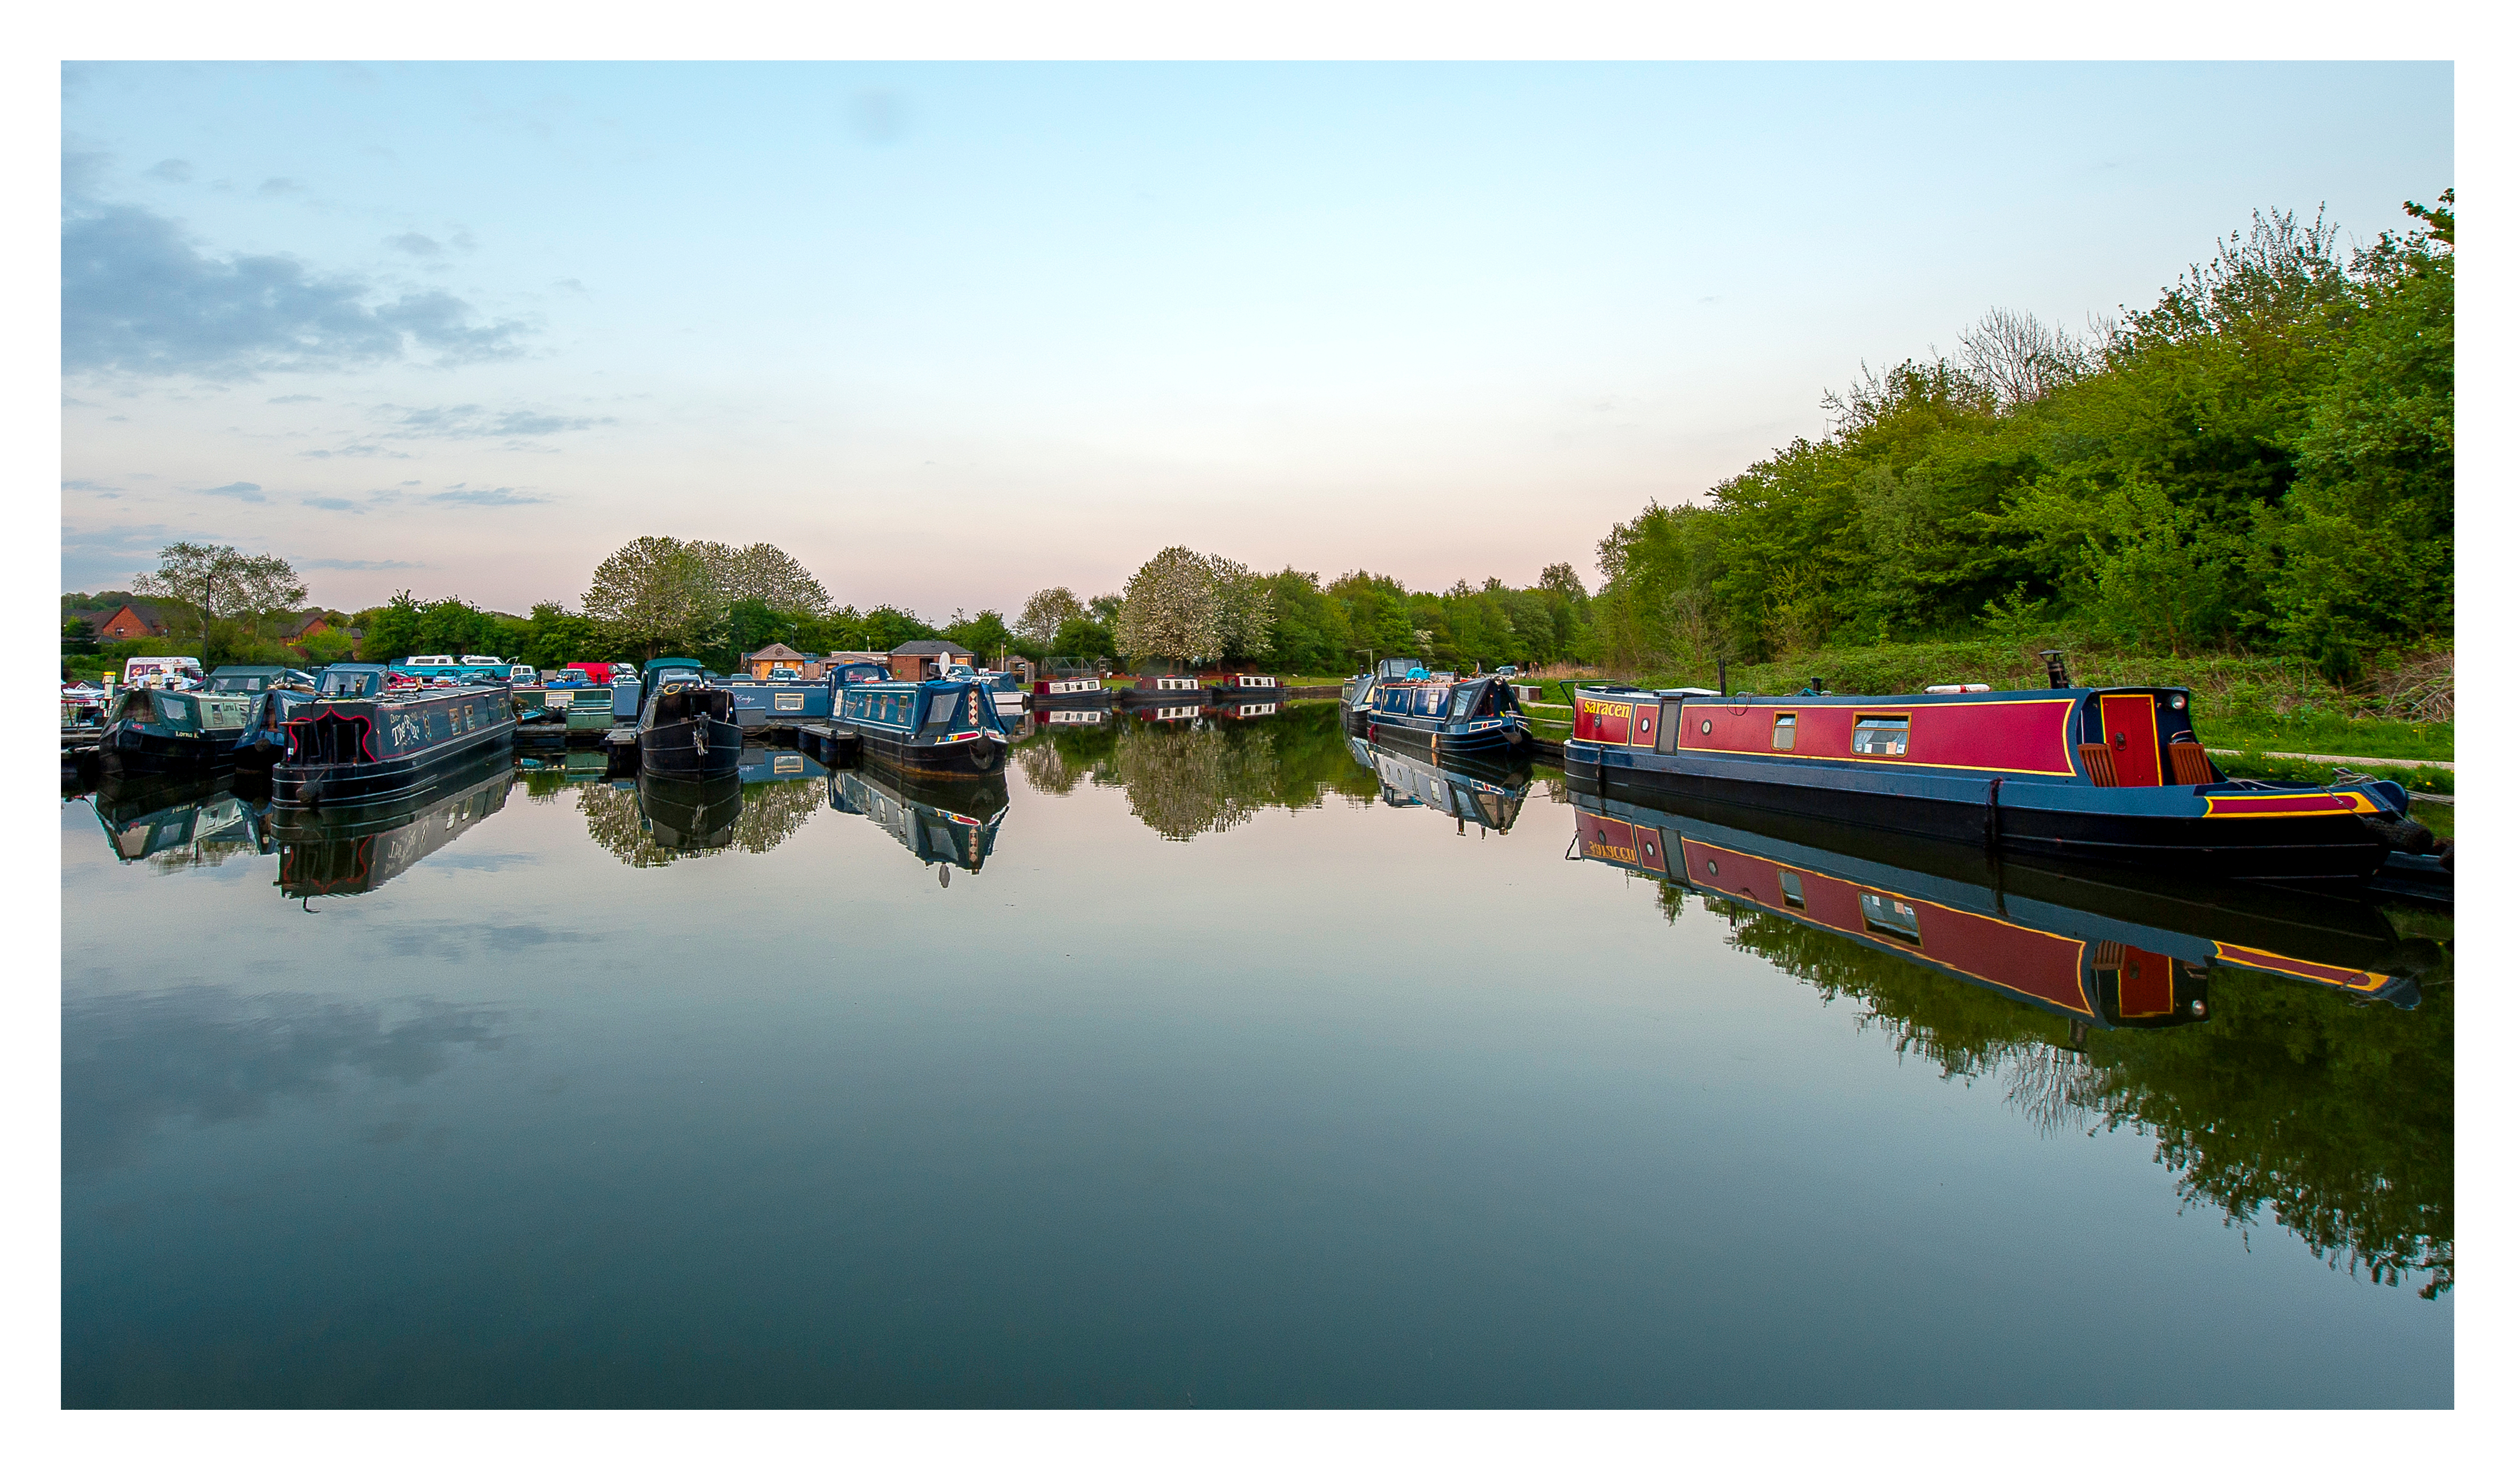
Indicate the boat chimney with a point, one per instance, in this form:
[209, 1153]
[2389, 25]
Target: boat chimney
[2057, 680]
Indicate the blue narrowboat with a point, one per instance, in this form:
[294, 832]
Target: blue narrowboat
[182, 732]
[1357, 691]
[2106, 775]
[946, 727]
[686, 722]
[2095, 946]
[358, 744]
[1446, 714]
[274, 691]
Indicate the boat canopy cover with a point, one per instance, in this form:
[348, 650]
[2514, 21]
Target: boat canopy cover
[671, 663]
[344, 678]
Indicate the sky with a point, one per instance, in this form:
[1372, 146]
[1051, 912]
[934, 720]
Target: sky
[953, 333]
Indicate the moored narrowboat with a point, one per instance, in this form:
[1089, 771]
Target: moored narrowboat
[2105, 775]
[357, 744]
[2097, 946]
[1237, 687]
[1070, 691]
[944, 727]
[1165, 692]
[686, 722]
[274, 691]
[1357, 691]
[178, 733]
[1446, 714]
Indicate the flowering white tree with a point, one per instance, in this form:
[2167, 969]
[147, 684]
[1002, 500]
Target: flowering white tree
[1170, 611]
[1190, 607]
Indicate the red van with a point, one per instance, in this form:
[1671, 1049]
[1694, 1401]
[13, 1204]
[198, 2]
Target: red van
[599, 672]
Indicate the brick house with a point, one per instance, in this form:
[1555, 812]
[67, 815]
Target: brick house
[312, 623]
[914, 660]
[134, 621]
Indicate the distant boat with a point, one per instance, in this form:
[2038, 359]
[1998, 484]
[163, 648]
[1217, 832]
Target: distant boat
[274, 691]
[1073, 691]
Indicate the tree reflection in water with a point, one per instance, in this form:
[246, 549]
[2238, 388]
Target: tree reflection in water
[1202, 775]
[2294, 1101]
[765, 816]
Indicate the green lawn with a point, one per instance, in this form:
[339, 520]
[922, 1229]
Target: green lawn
[2322, 733]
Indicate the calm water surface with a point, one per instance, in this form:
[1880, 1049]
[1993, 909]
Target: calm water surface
[1223, 1069]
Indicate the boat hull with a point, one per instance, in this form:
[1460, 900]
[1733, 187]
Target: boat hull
[387, 781]
[693, 747]
[2066, 822]
[971, 758]
[1492, 743]
[127, 749]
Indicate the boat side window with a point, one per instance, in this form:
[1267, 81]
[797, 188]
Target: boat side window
[1461, 704]
[1792, 885]
[940, 707]
[1881, 737]
[1784, 740]
[171, 711]
[1891, 917]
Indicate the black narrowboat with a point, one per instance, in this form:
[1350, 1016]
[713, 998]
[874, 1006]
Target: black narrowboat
[152, 732]
[1243, 688]
[274, 691]
[689, 813]
[356, 745]
[1164, 691]
[943, 728]
[1446, 714]
[2112, 776]
[1071, 693]
[2100, 947]
[686, 722]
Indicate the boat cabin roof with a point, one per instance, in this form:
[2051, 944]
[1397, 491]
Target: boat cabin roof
[671, 663]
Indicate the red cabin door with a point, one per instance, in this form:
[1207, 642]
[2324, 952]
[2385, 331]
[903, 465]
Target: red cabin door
[2127, 726]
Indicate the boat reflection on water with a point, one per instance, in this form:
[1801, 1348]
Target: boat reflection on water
[659, 817]
[177, 823]
[2099, 948]
[1488, 794]
[343, 853]
[950, 824]
[689, 816]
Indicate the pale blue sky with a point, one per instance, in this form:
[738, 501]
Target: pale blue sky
[953, 333]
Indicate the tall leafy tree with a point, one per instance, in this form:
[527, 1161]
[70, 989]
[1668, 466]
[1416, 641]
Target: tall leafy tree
[655, 593]
[215, 582]
[1046, 611]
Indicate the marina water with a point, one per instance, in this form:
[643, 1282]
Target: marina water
[1225, 1068]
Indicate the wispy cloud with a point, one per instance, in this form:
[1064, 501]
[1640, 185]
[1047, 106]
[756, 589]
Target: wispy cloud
[471, 422]
[275, 188]
[359, 450]
[172, 171]
[243, 491]
[137, 298]
[295, 399]
[335, 504]
[415, 243]
[355, 564]
[84, 485]
[488, 496]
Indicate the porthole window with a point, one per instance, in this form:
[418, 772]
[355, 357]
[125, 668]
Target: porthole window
[1707, 726]
[1710, 865]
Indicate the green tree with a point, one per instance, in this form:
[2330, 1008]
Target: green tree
[215, 583]
[1046, 611]
[656, 593]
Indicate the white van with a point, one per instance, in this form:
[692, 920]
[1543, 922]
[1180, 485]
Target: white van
[485, 660]
[158, 670]
[425, 661]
